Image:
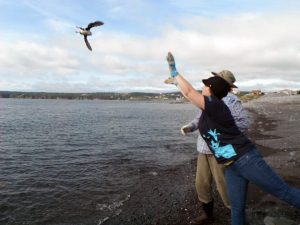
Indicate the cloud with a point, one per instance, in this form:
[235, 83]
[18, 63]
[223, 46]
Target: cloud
[28, 59]
[261, 48]
[251, 45]
[58, 25]
[270, 84]
[127, 9]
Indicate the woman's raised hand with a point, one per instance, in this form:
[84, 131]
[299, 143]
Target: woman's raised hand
[172, 67]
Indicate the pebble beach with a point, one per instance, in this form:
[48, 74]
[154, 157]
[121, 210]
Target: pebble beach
[169, 197]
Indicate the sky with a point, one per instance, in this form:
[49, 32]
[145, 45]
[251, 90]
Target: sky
[258, 40]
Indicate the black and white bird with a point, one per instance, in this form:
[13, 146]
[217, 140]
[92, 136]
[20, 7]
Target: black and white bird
[86, 32]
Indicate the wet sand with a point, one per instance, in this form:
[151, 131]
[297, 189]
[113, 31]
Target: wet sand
[169, 196]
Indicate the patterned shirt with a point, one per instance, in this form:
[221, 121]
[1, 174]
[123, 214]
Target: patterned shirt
[238, 113]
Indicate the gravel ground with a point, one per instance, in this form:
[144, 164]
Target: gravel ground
[170, 198]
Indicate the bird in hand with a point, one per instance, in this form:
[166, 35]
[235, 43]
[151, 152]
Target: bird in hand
[86, 32]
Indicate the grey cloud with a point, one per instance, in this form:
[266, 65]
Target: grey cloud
[262, 48]
[33, 59]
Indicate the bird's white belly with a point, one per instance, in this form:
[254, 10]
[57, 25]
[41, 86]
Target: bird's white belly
[86, 32]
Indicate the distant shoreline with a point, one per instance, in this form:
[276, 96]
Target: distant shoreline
[93, 96]
[169, 97]
[144, 96]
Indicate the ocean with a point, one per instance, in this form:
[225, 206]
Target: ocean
[76, 161]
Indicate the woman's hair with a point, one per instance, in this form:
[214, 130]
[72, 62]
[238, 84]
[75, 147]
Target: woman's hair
[218, 86]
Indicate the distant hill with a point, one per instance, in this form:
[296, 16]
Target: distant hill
[98, 95]
[90, 96]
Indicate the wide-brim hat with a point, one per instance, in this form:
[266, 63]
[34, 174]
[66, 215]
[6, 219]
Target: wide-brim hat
[228, 76]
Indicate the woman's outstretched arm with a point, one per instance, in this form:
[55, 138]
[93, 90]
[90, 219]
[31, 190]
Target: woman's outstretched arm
[184, 86]
[190, 92]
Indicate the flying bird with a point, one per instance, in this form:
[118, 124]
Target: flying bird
[86, 32]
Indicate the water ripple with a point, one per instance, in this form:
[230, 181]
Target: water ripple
[76, 162]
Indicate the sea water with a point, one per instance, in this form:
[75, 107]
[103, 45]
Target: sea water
[78, 161]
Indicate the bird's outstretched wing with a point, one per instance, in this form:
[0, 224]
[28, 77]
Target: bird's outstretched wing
[87, 43]
[95, 24]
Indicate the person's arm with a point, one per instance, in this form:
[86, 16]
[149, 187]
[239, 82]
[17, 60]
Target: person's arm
[190, 92]
[240, 117]
[238, 112]
[192, 126]
[184, 86]
[196, 120]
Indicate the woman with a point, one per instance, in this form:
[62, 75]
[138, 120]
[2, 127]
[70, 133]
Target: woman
[231, 147]
[208, 170]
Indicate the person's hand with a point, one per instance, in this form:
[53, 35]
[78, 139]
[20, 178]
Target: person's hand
[171, 62]
[186, 129]
[171, 80]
